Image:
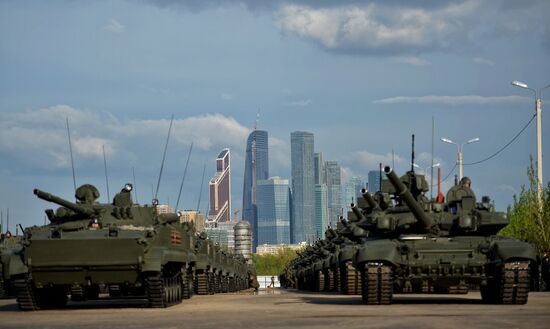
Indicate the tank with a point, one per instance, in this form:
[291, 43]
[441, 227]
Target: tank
[418, 245]
[123, 248]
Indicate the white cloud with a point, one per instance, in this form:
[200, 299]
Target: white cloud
[377, 28]
[453, 100]
[413, 61]
[298, 103]
[115, 26]
[483, 61]
[382, 27]
[42, 133]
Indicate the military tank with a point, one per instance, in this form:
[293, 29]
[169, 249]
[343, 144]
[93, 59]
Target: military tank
[423, 246]
[88, 247]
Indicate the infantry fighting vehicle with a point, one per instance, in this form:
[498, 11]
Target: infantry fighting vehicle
[421, 246]
[123, 248]
[9, 245]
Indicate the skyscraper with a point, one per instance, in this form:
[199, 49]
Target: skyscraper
[374, 181]
[352, 191]
[334, 188]
[321, 210]
[273, 204]
[303, 187]
[220, 190]
[256, 167]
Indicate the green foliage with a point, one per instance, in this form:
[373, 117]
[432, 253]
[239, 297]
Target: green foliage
[529, 219]
[273, 264]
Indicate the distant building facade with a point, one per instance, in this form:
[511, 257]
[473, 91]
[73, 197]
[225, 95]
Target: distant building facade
[256, 168]
[195, 217]
[334, 187]
[164, 209]
[374, 181]
[303, 187]
[352, 191]
[220, 189]
[273, 204]
[321, 210]
[274, 249]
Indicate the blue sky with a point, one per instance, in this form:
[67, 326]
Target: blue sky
[361, 75]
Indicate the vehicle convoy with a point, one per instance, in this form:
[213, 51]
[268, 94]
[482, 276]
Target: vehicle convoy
[123, 248]
[401, 241]
[421, 246]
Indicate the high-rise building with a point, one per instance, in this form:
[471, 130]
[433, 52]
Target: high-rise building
[321, 210]
[273, 201]
[334, 187]
[220, 190]
[374, 181]
[352, 191]
[303, 187]
[319, 168]
[256, 167]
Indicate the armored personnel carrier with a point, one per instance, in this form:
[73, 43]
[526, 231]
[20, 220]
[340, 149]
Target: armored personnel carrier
[422, 246]
[125, 248]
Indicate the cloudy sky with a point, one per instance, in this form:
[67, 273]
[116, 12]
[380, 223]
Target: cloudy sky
[361, 75]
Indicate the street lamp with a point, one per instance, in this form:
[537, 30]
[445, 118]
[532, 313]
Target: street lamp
[459, 151]
[538, 112]
[426, 168]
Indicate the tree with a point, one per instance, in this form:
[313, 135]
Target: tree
[530, 217]
[273, 264]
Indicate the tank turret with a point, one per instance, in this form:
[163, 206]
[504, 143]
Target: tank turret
[78, 208]
[403, 192]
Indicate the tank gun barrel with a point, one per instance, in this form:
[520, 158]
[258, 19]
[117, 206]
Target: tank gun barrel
[406, 196]
[62, 202]
[370, 200]
[357, 212]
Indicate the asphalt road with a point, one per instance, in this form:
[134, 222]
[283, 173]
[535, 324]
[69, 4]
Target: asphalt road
[289, 309]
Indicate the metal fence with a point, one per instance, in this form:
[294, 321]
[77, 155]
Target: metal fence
[265, 281]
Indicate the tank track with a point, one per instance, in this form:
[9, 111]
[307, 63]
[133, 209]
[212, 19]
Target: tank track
[24, 294]
[352, 280]
[164, 291]
[461, 289]
[187, 286]
[514, 288]
[3, 293]
[320, 281]
[330, 280]
[201, 283]
[377, 284]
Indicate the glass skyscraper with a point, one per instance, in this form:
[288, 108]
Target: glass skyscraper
[256, 168]
[220, 189]
[273, 204]
[303, 187]
[374, 181]
[321, 210]
[353, 191]
[334, 188]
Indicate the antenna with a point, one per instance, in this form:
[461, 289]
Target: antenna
[135, 186]
[412, 154]
[380, 176]
[183, 178]
[202, 184]
[8, 221]
[257, 122]
[164, 157]
[392, 158]
[71, 153]
[1, 221]
[432, 168]
[106, 176]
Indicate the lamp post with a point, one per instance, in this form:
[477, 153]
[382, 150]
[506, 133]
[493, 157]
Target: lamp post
[538, 112]
[426, 168]
[459, 151]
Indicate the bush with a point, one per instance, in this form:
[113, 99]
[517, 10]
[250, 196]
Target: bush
[273, 264]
